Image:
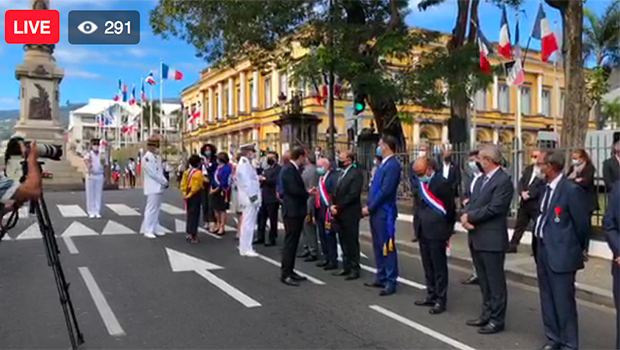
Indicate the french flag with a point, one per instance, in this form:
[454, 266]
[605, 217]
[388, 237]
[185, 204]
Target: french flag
[142, 93]
[132, 100]
[485, 50]
[125, 93]
[120, 91]
[170, 73]
[515, 68]
[542, 31]
[505, 48]
[150, 79]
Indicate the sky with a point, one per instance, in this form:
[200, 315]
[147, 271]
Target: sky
[92, 71]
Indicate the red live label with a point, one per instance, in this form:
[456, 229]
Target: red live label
[31, 27]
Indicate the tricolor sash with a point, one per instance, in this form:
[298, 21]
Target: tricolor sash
[323, 198]
[432, 201]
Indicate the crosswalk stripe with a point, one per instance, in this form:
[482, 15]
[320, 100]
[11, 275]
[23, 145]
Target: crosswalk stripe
[171, 209]
[32, 232]
[179, 226]
[275, 263]
[160, 228]
[77, 229]
[115, 228]
[6, 238]
[71, 211]
[122, 210]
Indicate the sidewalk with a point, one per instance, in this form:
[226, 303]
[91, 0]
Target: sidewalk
[593, 284]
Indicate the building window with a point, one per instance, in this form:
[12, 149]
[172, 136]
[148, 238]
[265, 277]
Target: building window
[504, 98]
[481, 100]
[283, 83]
[526, 100]
[546, 102]
[239, 101]
[216, 106]
[251, 94]
[267, 93]
[562, 98]
[225, 102]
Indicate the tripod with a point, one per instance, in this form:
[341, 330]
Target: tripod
[53, 260]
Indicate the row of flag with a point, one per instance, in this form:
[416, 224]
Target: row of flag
[541, 31]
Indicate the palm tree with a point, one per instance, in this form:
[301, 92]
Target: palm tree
[601, 43]
[146, 114]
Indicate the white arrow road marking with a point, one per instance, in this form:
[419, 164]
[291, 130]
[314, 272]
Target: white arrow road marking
[171, 209]
[310, 278]
[77, 229]
[115, 228]
[442, 338]
[105, 311]
[122, 210]
[6, 237]
[181, 262]
[32, 232]
[71, 211]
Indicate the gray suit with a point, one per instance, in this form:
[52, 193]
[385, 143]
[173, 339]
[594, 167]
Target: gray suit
[487, 211]
[310, 237]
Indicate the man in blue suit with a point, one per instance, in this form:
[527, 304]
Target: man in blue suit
[382, 210]
[561, 232]
[611, 225]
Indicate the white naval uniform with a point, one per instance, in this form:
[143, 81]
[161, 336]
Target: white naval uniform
[248, 187]
[154, 185]
[94, 182]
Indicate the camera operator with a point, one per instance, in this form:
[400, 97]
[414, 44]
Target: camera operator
[13, 193]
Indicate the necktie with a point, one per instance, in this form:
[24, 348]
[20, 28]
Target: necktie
[544, 210]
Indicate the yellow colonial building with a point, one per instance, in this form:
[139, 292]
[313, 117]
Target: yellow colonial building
[240, 104]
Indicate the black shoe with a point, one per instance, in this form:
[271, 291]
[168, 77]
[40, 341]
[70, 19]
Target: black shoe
[330, 267]
[512, 249]
[387, 291]
[479, 322]
[298, 278]
[551, 346]
[321, 264]
[304, 254]
[425, 302]
[491, 328]
[437, 309]
[341, 273]
[352, 276]
[374, 284]
[289, 282]
[470, 280]
[311, 258]
[270, 244]
[259, 241]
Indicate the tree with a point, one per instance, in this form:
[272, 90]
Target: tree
[348, 36]
[602, 44]
[611, 111]
[146, 114]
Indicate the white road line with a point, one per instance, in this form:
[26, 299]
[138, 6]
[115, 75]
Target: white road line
[70, 245]
[171, 209]
[106, 313]
[310, 278]
[420, 328]
[71, 211]
[399, 279]
[122, 210]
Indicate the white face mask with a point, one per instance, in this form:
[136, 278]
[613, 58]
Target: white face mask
[95, 148]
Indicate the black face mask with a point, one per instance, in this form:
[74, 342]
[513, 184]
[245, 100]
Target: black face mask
[271, 161]
[479, 167]
[341, 164]
[448, 159]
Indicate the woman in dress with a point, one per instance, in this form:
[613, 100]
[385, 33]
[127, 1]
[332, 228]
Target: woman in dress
[582, 173]
[220, 188]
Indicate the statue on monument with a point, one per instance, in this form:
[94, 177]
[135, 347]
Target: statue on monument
[48, 48]
[40, 106]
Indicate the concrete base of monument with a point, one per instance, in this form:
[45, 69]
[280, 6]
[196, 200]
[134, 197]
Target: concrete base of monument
[43, 131]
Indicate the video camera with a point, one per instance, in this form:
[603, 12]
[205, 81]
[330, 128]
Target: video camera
[13, 148]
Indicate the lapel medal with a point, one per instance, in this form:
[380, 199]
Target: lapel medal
[557, 212]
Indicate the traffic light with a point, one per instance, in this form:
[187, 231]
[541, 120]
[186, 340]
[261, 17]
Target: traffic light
[359, 104]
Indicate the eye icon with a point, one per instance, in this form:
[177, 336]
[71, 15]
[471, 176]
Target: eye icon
[87, 27]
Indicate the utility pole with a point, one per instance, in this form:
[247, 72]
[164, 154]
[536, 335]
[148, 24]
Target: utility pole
[330, 97]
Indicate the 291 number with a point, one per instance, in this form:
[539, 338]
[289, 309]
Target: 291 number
[117, 27]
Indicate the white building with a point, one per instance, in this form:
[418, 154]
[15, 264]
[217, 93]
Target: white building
[84, 123]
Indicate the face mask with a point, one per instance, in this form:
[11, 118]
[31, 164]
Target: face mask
[479, 165]
[341, 164]
[96, 148]
[576, 162]
[473, 167]
[425, 178]
[208, 154]
[379, 151]
[448, 159]
[271, 161]
[533, 160]
[321, 171]
[422, 154]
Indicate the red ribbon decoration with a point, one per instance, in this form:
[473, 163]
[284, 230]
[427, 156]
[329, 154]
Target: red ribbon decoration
[558, 211]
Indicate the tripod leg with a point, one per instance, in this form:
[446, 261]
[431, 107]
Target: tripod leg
[52, 252]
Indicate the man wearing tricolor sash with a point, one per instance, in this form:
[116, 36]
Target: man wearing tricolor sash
[383, 212]
[433, 221]
[324, 219]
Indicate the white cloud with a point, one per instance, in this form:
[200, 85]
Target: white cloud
[9, 102]
[75, 54]
[77, 73]
[137, 52]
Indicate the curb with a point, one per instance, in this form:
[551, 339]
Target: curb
[582, 291]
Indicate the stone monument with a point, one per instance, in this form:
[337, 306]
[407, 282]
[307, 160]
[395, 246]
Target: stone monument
[39, 96]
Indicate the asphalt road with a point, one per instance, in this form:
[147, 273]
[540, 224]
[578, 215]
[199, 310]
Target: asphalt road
[144, 304]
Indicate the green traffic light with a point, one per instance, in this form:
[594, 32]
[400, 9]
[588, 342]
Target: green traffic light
[359, 107]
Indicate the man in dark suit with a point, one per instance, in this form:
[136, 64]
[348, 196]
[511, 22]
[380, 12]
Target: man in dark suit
[611, 225]
[449, 169]
[561, 232]
[270, 204]
[473, 174]
[383, 212]
[294, 211]
[611, 168]
[324, 219]
[485, 218]
[530, 188]
[347, 210]
[433, 220]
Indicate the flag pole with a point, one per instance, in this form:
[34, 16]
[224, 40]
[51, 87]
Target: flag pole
[140, 136]
[161, 99]
[151, 112]
[518, 101]
[556, 90]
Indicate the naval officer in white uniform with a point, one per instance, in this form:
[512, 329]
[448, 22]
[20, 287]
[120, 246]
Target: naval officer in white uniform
[249, 197]
[94, 179]
[154, 185]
